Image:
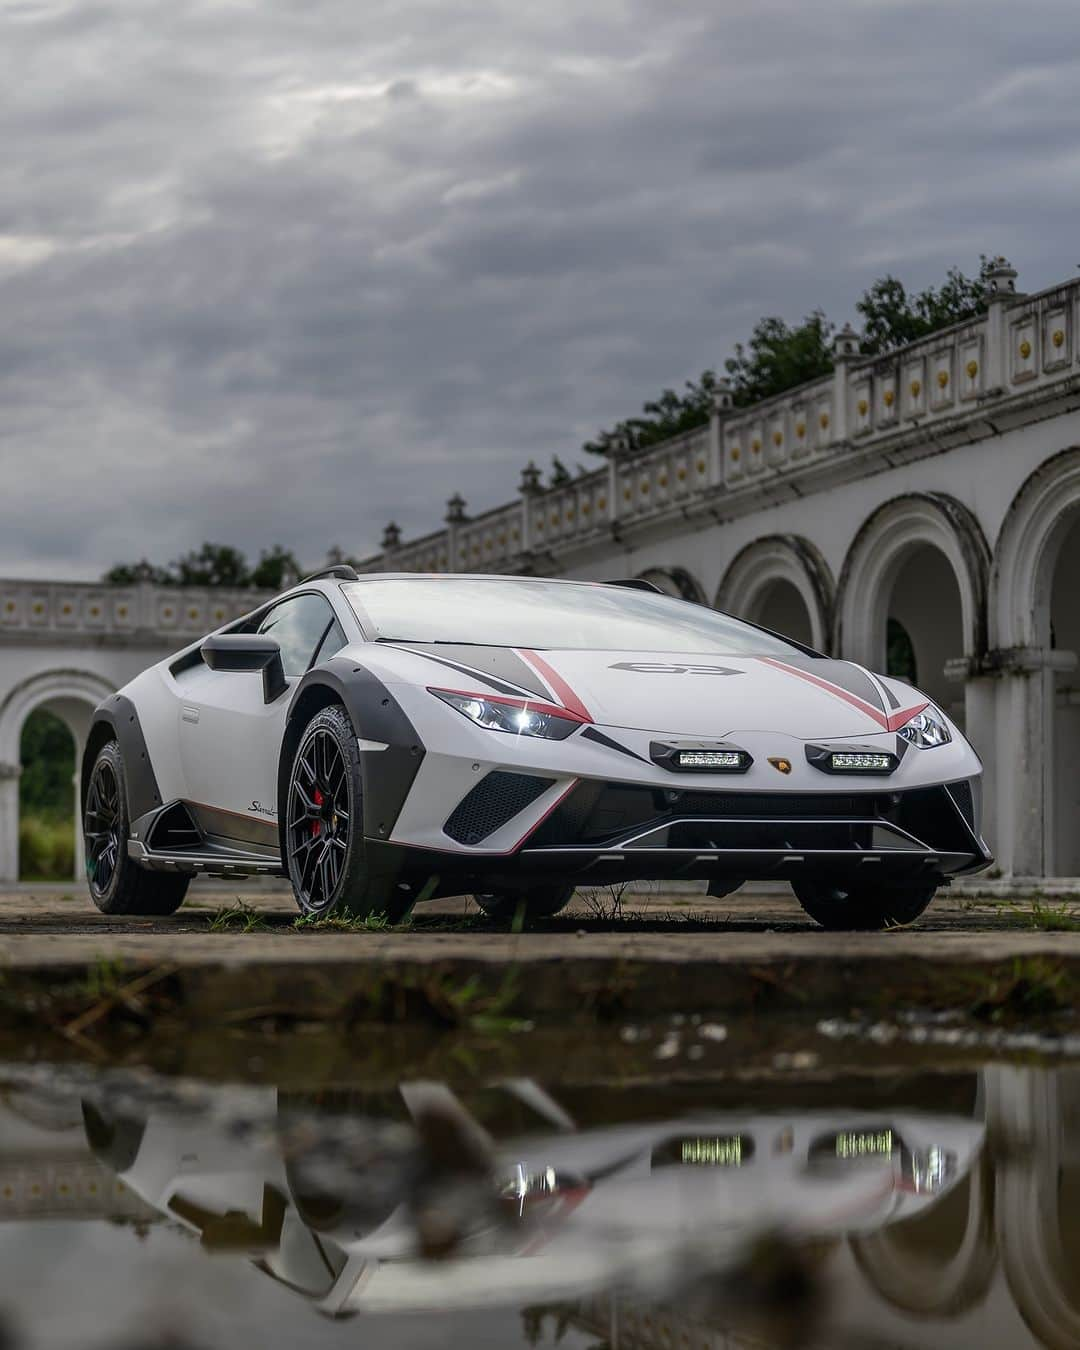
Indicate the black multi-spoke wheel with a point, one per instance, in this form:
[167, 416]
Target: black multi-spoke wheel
[862, 905]
[324, 824]
[535, 902]
[118, 885]
[320, 817]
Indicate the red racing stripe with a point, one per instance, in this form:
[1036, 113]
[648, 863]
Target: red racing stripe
[562, 690]
[886, 722]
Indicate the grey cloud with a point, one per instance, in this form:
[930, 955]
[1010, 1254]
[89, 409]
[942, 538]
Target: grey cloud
[278, 273]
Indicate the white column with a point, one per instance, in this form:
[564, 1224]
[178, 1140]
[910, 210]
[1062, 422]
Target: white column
[9, 822]
[80, 852]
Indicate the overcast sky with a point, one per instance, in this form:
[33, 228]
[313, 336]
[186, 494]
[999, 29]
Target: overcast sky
[279, 271]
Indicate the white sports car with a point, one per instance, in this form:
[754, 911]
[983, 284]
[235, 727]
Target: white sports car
[386, 739]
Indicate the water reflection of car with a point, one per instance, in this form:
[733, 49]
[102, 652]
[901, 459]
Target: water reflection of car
[560, 1213]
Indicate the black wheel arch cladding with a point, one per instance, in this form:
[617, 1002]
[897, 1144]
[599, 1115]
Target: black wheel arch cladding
[386, 775]
[118, 719]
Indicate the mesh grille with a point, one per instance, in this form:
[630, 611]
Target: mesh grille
[961, 794]
[495, 800]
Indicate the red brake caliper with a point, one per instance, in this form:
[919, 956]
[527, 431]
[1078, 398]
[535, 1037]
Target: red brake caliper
[316, 825]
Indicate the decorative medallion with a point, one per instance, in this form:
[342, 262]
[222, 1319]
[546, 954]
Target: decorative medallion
[778, 438]
[569, 513]
[864, 407]
[942, 378]
[701, 466]
[823, 421]
[586, 509]
[193, 613]
[680, 473]
[645, 487]
[755, 444]
[889, 397]
[1058, 338]
[972, 369]
[800, 429]
[735, 452]
[1025, 349]
[663, 480]
[601, 503]
[626, 494]
[916, 388]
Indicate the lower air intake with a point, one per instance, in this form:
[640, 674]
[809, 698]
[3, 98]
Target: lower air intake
[496, 799]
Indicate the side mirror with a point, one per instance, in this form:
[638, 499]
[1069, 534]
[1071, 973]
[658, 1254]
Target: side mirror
[248, 651]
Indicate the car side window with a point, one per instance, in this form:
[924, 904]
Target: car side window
[298, 624]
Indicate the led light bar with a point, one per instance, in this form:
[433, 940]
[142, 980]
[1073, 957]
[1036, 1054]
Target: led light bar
[709, 759]
[860, 761]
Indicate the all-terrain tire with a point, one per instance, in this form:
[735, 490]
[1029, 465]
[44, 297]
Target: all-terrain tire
[862, 906]
[117, 884]
[539, 902]
[324, 826]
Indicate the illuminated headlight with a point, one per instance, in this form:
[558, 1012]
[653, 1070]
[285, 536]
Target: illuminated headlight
[519, 717]
[926, 729]
[710, 759]
[859, 762]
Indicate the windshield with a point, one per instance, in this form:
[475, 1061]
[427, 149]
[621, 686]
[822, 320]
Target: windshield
[515, 612]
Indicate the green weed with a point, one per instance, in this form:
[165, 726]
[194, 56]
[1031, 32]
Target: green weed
[237, 918]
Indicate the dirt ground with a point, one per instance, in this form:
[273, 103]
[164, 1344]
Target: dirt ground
[42, 925]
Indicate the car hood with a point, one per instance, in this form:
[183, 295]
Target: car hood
[696, 696]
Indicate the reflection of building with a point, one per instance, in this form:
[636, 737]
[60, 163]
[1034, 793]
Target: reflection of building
[48, 1171]
[996, 1263]
[935, 491]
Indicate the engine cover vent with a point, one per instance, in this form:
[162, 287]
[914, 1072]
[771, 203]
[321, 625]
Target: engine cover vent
[492, 802]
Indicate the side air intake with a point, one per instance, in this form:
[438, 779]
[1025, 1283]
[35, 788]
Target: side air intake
[173, 829]
[496, 799]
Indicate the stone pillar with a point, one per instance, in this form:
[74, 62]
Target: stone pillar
[845, 351]
[723, 405]
[1001, 292]
[9, 822]
[455, 516]
[529, 487]
[1021, 832]
[391, 539]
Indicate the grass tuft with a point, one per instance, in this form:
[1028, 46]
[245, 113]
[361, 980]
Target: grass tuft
[345, 923]
[237, 918]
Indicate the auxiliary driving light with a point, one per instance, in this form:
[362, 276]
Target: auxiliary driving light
[851, 759]
[700, 756]
[860, 763]
[709, 759]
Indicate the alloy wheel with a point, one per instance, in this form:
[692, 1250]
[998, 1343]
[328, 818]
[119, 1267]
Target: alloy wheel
[103, 827]
[318, 820]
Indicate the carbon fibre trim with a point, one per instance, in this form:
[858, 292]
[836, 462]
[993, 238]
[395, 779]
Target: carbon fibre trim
[500, 667]
[591, 734]
[119, 714]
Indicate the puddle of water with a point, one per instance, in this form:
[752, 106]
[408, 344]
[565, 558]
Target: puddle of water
[931, 1205]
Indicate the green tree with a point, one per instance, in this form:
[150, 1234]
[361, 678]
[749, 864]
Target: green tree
[892, 318]
[130, 574]
[47, 755]
[778, 358]
[212, 565]
[277, 568]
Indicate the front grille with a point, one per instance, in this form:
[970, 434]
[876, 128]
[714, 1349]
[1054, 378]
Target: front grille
[496, 799]
[964, 799]
[602, 814]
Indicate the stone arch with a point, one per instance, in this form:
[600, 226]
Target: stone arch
[675, 581]
[1028, 544]
[1035, 638]
[937, 546]
[72, 695]
[1027, 1120]
[788, 564]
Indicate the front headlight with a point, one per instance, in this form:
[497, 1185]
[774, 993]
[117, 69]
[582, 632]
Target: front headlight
[519, 716]
[926, 729]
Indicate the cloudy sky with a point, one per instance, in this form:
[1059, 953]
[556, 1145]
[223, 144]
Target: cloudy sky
[280, 270]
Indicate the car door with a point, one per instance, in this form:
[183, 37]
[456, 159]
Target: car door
[230, 739]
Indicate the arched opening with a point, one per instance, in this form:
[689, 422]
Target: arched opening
[924, 625]
[781, 582]
[47, 812]
[26, 743]
[1065, 741]
[779, 606]
[675, 581]
[1035, 630]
